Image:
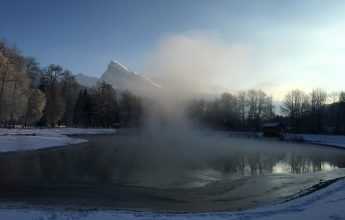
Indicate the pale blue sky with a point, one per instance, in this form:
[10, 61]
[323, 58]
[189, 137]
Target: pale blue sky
[264, 43]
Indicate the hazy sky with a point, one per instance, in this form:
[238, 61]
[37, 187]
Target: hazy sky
[276, 45]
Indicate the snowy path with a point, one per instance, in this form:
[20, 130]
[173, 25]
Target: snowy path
[33, 139]
[327, 203]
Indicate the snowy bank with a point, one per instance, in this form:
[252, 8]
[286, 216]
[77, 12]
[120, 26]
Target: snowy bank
[329, 140]
[33, 139]
[327, 203]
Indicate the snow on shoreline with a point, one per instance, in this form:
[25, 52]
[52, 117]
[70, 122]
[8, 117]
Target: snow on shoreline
[33, 139]
[328, 140]
[337, 141]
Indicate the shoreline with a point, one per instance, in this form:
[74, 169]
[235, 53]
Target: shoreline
[16, 140]
[311, 189]
[334, 141]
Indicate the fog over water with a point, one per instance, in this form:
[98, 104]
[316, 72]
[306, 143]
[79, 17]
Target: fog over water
[168, 161]
[201, 171]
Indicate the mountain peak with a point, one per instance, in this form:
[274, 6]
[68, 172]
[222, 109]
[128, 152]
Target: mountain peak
[123, 78]
[116, 66]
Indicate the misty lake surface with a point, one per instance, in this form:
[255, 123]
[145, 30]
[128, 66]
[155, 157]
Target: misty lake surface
[190, 172]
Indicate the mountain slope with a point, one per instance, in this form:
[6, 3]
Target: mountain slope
[123, 78]
[87, 81]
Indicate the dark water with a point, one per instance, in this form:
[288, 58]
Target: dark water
[192, 173]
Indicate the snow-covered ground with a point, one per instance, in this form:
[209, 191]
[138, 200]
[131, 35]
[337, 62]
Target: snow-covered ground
[327, 203]
[33, 139]
[329, 140]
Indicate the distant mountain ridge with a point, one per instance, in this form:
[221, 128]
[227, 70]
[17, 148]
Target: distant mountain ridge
[87, 81]
[123, 78]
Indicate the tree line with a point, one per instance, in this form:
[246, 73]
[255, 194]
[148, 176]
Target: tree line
[245, 111]
[31, 95]
[316, 112]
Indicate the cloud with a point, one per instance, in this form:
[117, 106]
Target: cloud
[199, 56]
[289, 57]
[203, 56]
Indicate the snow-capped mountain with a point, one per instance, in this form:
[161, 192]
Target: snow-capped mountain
[123, 78]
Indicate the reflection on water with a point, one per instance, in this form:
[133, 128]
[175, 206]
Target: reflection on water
[128, 160]
[284, 167]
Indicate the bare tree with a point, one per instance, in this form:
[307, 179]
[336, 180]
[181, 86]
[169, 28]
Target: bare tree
[69, 90]
[19, 90]
[35, 107]
[318, 103]
[55, 104]
[228, 106]
[332, 116]
[252, 100]
[13, 84]
[261, 106]
[269, 109]
[257, 103]
[295, 105]
[33, 71]
[340, 127]
[8, 58]
[241, 100]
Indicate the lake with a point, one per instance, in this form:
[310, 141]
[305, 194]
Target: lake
[188, 173]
